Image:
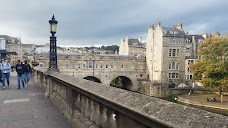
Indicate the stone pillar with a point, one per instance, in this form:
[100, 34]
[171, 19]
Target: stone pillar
[96, 113]
[77, 104]
[91, 109]
[110, 122]
[87, 112]
[103, 116]
[82, 104]
[70, 103]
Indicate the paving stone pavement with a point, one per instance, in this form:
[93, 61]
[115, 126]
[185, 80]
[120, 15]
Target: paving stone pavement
[28, 108]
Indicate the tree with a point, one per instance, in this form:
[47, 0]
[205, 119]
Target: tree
[212, 70]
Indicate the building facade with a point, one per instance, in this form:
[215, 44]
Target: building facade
[28, 48]
[165, 55]
[132, 47]
[13, 48]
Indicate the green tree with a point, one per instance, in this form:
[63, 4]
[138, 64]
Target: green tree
[212, 70]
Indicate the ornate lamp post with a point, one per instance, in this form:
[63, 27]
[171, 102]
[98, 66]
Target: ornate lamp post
[53, 49]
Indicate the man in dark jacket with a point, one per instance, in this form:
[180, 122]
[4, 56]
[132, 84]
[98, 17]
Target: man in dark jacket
[20, 72]
[27, 70]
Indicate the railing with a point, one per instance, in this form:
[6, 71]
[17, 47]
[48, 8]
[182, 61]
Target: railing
[89, 104]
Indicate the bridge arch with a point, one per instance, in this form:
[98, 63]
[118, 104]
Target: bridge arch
[122, 82]
[92, 78]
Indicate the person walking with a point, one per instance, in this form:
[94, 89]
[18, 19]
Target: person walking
[1, 72]
[20, 73]
[30, 64]
[5, 69]
[27, 70]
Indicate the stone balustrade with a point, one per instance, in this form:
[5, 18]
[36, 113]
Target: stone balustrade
[88, 104]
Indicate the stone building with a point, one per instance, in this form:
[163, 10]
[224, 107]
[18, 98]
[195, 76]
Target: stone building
[28, 48]
[2, 48]
[132, 47]
[13, 47]
[165, 55]
[191, 45]
[152, 68]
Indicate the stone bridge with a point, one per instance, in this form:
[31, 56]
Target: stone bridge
[88, 104]
[111, 70]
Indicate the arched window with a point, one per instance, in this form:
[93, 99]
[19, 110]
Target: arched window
[174, 65]
[177, 66]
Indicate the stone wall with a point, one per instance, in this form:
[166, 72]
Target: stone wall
[88, 104]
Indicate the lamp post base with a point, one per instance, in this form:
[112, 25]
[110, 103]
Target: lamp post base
[51, 70]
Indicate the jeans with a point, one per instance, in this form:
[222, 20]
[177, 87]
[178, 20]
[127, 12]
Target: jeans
[20, 79]
[27, 76]
[5, 76]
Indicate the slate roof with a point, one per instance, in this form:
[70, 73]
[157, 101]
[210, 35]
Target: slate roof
[6, 37]
[172, 31]
[135, 43]
[197, 37]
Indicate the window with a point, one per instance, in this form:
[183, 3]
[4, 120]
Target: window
[173, 75]
[174, 52]
[89, 64]
[190, 76]
[67, 65]
[170, 52]
[175, 41]
[177, 75]
[187, 77]
[101, 66]
[78, 65]
[178, 52]
[174, 66]
[106, 66]
[73, 66]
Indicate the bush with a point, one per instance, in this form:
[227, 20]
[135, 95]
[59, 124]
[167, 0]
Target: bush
[172, 97]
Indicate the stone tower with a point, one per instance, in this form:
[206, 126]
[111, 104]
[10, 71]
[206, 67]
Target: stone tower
[165, 55]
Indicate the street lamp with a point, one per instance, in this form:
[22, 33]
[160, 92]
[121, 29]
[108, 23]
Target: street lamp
[53, 49]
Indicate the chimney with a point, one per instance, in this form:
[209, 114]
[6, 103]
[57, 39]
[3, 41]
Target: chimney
[217, 34]
[151, 26]
[178, 26]
[159, 24]
[193, 39]
[140, 39]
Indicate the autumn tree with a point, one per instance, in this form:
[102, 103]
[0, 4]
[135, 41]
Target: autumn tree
[212, 70]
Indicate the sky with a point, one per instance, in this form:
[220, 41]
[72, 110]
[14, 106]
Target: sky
[106, 22]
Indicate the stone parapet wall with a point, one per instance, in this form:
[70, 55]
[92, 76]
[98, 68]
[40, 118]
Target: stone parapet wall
[88, 104]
